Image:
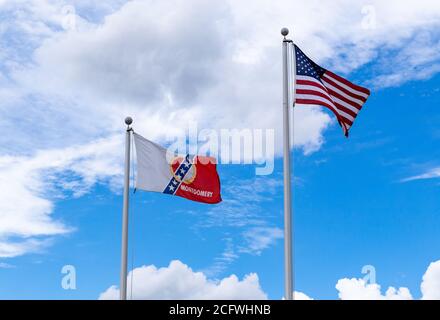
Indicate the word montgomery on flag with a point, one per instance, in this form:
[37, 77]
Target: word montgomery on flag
[191, 177]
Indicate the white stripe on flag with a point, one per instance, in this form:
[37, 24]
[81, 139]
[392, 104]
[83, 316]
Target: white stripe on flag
[331, 87]
[309, 87]
[343, 85]
[344, 104]
[324, 100]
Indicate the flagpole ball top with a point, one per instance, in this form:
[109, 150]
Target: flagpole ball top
[284, 31]
[128, 121]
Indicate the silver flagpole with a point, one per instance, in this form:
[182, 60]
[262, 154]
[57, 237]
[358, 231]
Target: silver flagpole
[288, 267]
[124, 246]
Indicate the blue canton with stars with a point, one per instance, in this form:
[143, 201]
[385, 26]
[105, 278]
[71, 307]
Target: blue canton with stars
[181, 171]
[306, 67]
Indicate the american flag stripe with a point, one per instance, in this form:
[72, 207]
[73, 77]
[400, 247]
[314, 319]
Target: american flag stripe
[318, 86]
[335, 91]
[305, 94]
[350, 86]
[310, 88]
[344, 104]
[318, 92]
[342, 91]
[328, 98]
[327, 102]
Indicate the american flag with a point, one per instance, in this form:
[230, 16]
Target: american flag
[318, 86]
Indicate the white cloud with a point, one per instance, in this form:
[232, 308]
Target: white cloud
[430, 174]
[301, 296]
[126, 65]
[178, 281]
[29, 185]
[216, 69]
[430, 286]
[259, 238]
[358, 289]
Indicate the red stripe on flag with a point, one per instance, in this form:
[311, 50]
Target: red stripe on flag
[337, 86]
[348, 101]
[338, 106]
[348, 83]
[311, 83]
[314, 93]
[347, 121]
[346, 110]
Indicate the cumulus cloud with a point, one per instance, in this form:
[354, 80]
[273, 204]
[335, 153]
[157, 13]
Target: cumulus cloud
[126, 65]
[205, 63]
[358, 289]
[178, 281]
[430, 286]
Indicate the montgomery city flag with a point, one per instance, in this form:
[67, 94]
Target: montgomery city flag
[317, 86]
[191, 177]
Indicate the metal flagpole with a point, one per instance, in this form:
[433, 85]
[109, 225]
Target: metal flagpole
[288, 267]
[124, 246]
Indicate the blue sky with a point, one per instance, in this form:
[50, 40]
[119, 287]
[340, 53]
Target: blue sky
[71, 72]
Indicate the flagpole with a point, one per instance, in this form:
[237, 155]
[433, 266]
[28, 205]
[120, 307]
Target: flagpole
[288, 266]
[124, 246]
